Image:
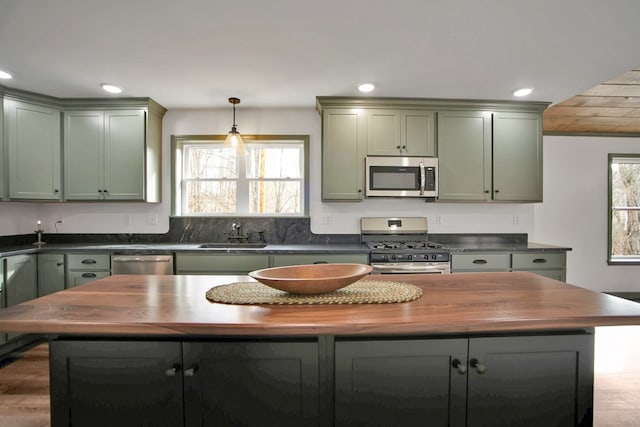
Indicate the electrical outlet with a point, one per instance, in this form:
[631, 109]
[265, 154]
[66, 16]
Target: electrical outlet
[326, 220]
[438, 220]
[151, 219]
[516, 220]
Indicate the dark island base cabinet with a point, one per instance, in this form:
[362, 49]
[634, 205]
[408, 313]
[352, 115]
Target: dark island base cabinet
[536, 380]
[125, 383]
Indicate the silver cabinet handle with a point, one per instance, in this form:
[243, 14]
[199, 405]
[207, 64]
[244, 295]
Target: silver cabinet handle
[540, 261]
[475, 364]
[459, 366]
[479, 261]
[89, 275]
[171, 372]
[191, 371]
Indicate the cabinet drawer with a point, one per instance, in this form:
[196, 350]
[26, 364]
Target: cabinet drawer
[76, 278]
[534, 261]
[220, 263]
[281, 260]
[88, 262]
[480, 261]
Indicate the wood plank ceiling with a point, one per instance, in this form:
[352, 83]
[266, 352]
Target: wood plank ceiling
[611, 108]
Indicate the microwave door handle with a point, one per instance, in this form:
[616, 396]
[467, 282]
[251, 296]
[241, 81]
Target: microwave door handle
[422, 178]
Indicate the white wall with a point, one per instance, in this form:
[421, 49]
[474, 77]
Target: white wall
[573, 213]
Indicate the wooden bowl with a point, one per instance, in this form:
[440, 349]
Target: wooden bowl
[311, 278]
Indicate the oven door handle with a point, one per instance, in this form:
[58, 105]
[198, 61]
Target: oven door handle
[403, 268]
[422, 178]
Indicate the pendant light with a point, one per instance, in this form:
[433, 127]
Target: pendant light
[234, 140]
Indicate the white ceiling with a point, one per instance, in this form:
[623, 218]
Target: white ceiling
[197, 53]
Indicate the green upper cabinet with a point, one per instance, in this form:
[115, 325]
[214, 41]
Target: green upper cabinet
[485, 156]
[33, 150]
[464, 155]
[104, 155]
[400, 132]
[112, 154]
[344, 139]
[3, 190]
[517, 157]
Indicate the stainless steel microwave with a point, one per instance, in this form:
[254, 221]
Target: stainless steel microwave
[401, 177]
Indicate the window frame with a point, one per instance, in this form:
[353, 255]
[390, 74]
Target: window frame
[611, 260]
[177, 143]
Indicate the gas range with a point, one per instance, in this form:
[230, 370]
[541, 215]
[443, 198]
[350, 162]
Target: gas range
[400, 245]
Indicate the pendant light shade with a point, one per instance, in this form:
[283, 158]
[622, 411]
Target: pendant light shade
[234, 140]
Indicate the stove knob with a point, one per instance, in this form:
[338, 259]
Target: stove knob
[433, 257]
[409, 257]
[393, 257]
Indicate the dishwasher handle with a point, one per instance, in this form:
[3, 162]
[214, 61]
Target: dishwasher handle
[145, 258]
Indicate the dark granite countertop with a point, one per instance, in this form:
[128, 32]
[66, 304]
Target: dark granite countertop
[167, 248]
[504, 247]
[346, 248]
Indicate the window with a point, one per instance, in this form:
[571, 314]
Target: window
[624, 208]
[212, 180]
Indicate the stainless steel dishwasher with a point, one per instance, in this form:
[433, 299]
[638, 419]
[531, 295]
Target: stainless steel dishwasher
[142, 264]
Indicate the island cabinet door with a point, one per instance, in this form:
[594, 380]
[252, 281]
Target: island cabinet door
[251, 384]
[531, 381]
[400, 382]
[114, 383]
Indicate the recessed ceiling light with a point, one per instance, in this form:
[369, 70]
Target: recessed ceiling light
[366, 87]
[5, 75]
[111, 88]
[523, 92]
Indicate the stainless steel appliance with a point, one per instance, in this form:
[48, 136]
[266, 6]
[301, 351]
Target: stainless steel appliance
[142, 264]
[401, 177]
[400, 245]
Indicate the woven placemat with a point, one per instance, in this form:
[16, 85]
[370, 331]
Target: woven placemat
[360, 292]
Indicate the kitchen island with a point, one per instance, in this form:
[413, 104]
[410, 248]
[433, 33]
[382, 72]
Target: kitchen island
[475, 349]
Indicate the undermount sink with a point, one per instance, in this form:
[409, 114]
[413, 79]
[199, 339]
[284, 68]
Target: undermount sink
[232, 245]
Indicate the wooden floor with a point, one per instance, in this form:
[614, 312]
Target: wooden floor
[24, 382]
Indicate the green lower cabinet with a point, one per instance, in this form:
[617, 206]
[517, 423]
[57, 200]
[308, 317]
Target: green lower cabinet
[220, 263]
[480, 262]
[319, 258]
[20, 281]
[548, 264]
[50, 273]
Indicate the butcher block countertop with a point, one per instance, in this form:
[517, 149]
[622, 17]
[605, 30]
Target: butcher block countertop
[176, 306]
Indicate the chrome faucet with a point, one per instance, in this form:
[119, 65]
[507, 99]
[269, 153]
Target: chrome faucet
[235, 229]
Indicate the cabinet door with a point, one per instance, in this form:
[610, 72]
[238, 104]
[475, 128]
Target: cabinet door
[384, 133]
[77, 278]
[20, 281]
[251, 383]
[220, 263]
[111, 383]
[400, 133]
[83, 165]
[50, 273]
[400, 382]
[33, 133]
[124, 155]
[480, 261]
[344, 138]
[517, 157]
[3, 188]
[464, 155]
[3, 295]
[530, 381]
[418, 133]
